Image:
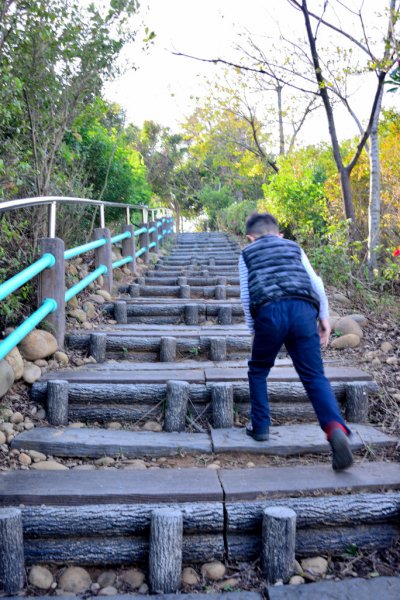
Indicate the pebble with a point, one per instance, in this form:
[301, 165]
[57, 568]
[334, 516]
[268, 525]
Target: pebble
[135, 463]
[7, 427]
[76, 425]
[2, 438]
[84, 468]
[152, 426]
[6, 413]
[190, 577]
[28, 425]
[41, 413]
[250, 465]
[213, 570]
[75, 579]
[114, 425]
[104, 461]
[386, 347]
[24, 459]
[61, 357]
[349, 340]
[296, 580]
[40, 577]
[36, 456]
[95, 587]
[40, 362]
[87, 325]
[144, 589]
[106, 578]
[316, 566]
[392, 360]
[48, 465]
[376, 362]
[108, 591]
[16, 417]
[134, 578]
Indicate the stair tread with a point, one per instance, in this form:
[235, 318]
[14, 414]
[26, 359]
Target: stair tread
[284, 440]
[106, 486]
[191, 372]
[295, 439]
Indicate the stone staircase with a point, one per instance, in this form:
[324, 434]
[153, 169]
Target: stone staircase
[177, 356]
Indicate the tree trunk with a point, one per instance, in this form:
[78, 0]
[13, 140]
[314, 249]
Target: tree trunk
[280, 117]
[374, 208]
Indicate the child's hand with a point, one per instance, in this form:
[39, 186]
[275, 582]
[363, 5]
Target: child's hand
[324, 330]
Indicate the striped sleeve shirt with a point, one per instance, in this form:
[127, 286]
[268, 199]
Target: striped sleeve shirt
[316, 283]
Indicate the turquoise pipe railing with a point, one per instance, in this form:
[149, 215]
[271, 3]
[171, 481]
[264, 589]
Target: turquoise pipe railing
[141, 230]
[12, 340]
[141, 251]
[68, 254]
[78, 287]
[48, 261]
[120, 237]
[11, 285]
[123, 261]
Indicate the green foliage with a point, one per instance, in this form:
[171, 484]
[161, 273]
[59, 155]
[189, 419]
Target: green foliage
[233, 218]
[213, 201]
[295, 195]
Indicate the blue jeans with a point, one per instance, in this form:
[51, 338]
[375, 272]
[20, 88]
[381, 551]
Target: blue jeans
[294, 323]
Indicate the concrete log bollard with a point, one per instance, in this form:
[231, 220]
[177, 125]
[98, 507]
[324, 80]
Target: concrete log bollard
[356, 403]
[220, 292]
[184, 291]
[222, 405]
[57, 402]
[97, 346]
[225, 315]
[168, 349]
[103, 256]
[191, 315]
[165, 556]
[134, 290]
[217, 349]
[182, 281]
[129, 247]
[140, 280]
[278, 543]
[176, 405]
[121, 312]
[12, 562]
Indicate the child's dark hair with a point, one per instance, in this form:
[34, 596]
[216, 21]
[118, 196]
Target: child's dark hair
[261, 224]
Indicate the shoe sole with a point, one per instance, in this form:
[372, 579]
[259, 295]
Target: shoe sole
[258, 437]
[342, 455]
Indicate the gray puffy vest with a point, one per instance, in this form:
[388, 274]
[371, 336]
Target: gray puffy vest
[276, 272]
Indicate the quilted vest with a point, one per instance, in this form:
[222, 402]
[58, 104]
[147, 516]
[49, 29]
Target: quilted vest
[276, 272]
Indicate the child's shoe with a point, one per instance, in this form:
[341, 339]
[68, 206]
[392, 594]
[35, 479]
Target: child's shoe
[342, 457]
[258, 437]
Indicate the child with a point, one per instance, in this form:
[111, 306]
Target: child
[282, 297]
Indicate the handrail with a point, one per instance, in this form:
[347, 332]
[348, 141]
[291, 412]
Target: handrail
[56, 279]
[78, 287]
[13, 284]
[12, 340]
[45, 200]
[72, 252]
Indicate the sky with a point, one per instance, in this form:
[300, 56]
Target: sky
[166, 88]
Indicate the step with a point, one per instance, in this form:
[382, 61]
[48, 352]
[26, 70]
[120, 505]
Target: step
[196, 372]
[237, 487]
[382, 588]
[284, 440]
[107, 486]
[176, 291]
[192, 281]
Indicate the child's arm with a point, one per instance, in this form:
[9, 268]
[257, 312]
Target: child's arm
[244, 293]
[324, 326]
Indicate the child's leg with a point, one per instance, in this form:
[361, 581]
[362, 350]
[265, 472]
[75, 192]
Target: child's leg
[267, 342]
[303, 345]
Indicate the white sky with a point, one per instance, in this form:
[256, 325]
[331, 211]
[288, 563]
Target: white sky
[166, 88]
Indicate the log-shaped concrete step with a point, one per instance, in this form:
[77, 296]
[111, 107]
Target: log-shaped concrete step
[117, 391]
[239, 488]
[199, 280]
[193, 272]
[284, 440]
[192, 269]
[184, 291]
[173, 311]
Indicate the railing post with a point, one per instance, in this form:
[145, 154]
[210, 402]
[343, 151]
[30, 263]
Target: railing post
[51, 284]
[144, 242]
[104, 256]
[154, 236]
[129, 247]
[162, 241]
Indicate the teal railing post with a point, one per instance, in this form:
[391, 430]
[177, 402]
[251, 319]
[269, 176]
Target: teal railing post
[144, 242]
[104, 256]
[162, 241]
[154, 237]
[129, 247]
[51, 284]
